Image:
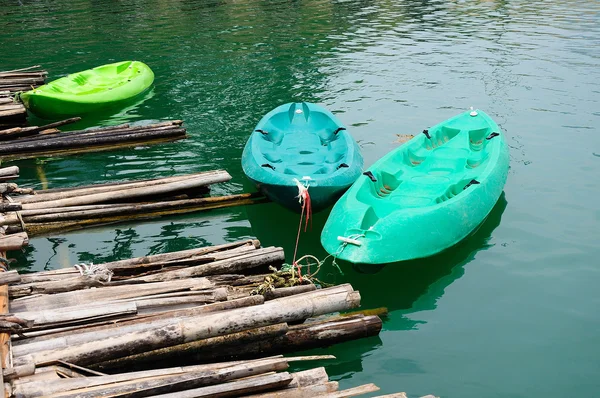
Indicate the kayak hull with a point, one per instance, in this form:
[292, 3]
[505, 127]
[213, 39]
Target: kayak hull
[428, 194]
[301, 143]
[101, 88]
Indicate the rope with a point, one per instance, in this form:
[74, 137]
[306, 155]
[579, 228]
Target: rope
[304, 199]
[94, 270]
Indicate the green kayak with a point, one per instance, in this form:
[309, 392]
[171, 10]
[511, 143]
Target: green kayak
[422, 197]
[88, 91]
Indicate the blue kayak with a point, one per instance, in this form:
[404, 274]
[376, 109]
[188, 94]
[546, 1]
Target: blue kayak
[301, 143]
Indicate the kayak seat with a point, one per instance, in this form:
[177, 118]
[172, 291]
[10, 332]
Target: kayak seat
[455, 189]
[440, 137]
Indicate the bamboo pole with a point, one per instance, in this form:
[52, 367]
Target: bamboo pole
[236, 388]
[118, 129]
[9, 171]
[306, 336]
[36, 229]
[5, 357]
[195, 328]
[207, 178]
[129, 265]
[74, 298]
[52, 195]
[68, 214]
[9, 277]
[144, 141]
[147, 383]
[259, 257]
[74, 141]
[14, 241]
[190, 350]
[78, 314]
[119, 326]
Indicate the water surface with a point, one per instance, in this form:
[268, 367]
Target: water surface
[512, 311]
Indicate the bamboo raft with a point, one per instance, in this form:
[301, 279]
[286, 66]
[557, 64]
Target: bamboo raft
[67, 209]
[12, 113]
[22, 79]
[71, 332]
[48, 141]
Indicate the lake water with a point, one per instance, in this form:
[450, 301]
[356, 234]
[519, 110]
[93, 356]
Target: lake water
[512, 311]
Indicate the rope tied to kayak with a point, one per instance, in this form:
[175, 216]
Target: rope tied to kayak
[304, 200]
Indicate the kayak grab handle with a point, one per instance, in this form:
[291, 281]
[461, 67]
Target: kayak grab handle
[370, 175]
[339, 129]
[426, 132]
[350, 241]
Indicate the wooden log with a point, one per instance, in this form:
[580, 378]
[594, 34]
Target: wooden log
[52, 137]
[191, 349]
[13, 112]
[307, 383]
[74, 298]
[353, 392]
[207, 178]
[23, 69]
[52, 195]
[130, 265]
[150, 380]
[96, 149]
[53, 287]
[235, 388]
[119, 129]
[289, 291]
[14, 241]
[301, 392]
[9, 277]
[259, 257]
[54, 215]
[79, 314]
[28, 131]
[195, 328]
[5, 357]
[35, 229]
[52, 144]
[297, 338]
[19, 371]
[151, 386]
[9, 171]
[82, 334]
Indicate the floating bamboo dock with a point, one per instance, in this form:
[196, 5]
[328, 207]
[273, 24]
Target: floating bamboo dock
[67, 209]
[48, 141]
[12, 113]
[22, 79]
[72, 332]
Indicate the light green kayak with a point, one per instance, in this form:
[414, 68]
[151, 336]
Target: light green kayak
[423, 197]
[88, 91]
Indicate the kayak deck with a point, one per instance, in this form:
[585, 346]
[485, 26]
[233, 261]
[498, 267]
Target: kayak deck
[301, 142]
[422, 197]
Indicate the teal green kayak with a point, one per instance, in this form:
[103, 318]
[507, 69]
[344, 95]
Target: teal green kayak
[423, 197]
[301, 143]
[90, 90]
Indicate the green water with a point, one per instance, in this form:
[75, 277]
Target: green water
[511, 312]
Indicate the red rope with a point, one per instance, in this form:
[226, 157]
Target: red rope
[306, 206]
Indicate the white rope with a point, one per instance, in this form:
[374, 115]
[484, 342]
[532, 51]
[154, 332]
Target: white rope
[92, 269]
